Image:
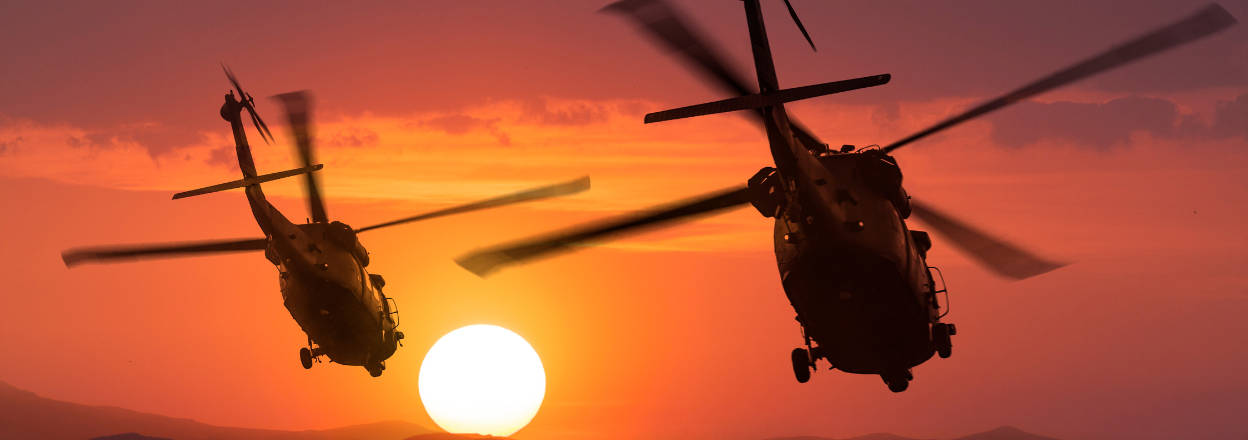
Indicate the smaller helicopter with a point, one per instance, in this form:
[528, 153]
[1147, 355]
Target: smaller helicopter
[321, 264]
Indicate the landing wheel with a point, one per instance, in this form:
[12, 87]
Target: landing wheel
[375, 370]
[801, 364]
[305, 357]
[898, 385]
[941, 339]
[897, 382]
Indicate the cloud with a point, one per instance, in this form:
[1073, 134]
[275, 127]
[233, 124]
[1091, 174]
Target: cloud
[157, 139]
[355, 137]
[572, 113]
[1094, 124]
[459, 124]
[224, 157]
[887, 116]
[1230, 118]
[6, 146]
[433, 157]
[1109, 124]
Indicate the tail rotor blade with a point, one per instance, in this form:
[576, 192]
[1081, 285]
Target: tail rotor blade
[298, 108]
[74, 257]
[249, 104]
[999, 256]
[261, 128]
[561, 189]
[487, 261]
[230, 74]
[793, 14]
[1204, 23]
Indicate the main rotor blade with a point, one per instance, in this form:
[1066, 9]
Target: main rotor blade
[298, 107]
[561, 189]
[665, 25]
[74, 257]
[1204, 23]
[998, 255]
[486, 261]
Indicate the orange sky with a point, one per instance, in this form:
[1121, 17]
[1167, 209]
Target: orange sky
[1136, 176]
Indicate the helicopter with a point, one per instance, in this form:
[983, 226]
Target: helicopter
[857, 277]
[321, 264]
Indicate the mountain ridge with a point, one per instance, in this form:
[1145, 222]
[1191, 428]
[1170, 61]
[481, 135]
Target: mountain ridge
[1002, 433]
[26, 415]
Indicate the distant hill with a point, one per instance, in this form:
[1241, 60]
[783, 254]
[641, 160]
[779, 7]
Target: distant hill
[129, 436]
[445, 436]
[25, 415]
[863, 437]
[1002, 433]
[1005, 433]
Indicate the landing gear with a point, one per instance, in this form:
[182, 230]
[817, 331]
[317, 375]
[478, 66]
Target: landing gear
[897, 381]
[941, 338]
[305, 357]
[376, 369]
[801, 364]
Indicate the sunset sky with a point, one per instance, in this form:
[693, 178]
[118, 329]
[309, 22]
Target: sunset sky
[1138, 177]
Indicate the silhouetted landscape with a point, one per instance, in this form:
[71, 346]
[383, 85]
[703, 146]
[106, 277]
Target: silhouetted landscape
[25, 415]
[1002, 433]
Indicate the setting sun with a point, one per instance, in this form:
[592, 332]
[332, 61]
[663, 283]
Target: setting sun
[763, 266]
[482, 379]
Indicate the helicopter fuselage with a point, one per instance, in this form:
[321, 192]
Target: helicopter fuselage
[324, 285]
[854, 273]
[328, 291]
[848, 264]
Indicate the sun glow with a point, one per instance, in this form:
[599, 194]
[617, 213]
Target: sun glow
[482, 379]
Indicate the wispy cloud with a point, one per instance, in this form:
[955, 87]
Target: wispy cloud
[1102, 125]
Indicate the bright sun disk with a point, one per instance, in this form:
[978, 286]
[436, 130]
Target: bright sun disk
[482, 379]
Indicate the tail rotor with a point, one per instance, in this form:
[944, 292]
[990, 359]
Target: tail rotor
[793, 14]
[245, 100]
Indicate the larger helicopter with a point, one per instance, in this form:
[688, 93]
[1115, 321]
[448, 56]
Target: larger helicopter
[321, 264]
[856, 275]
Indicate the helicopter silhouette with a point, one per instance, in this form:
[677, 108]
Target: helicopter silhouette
[321, 264]
[856, 275]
